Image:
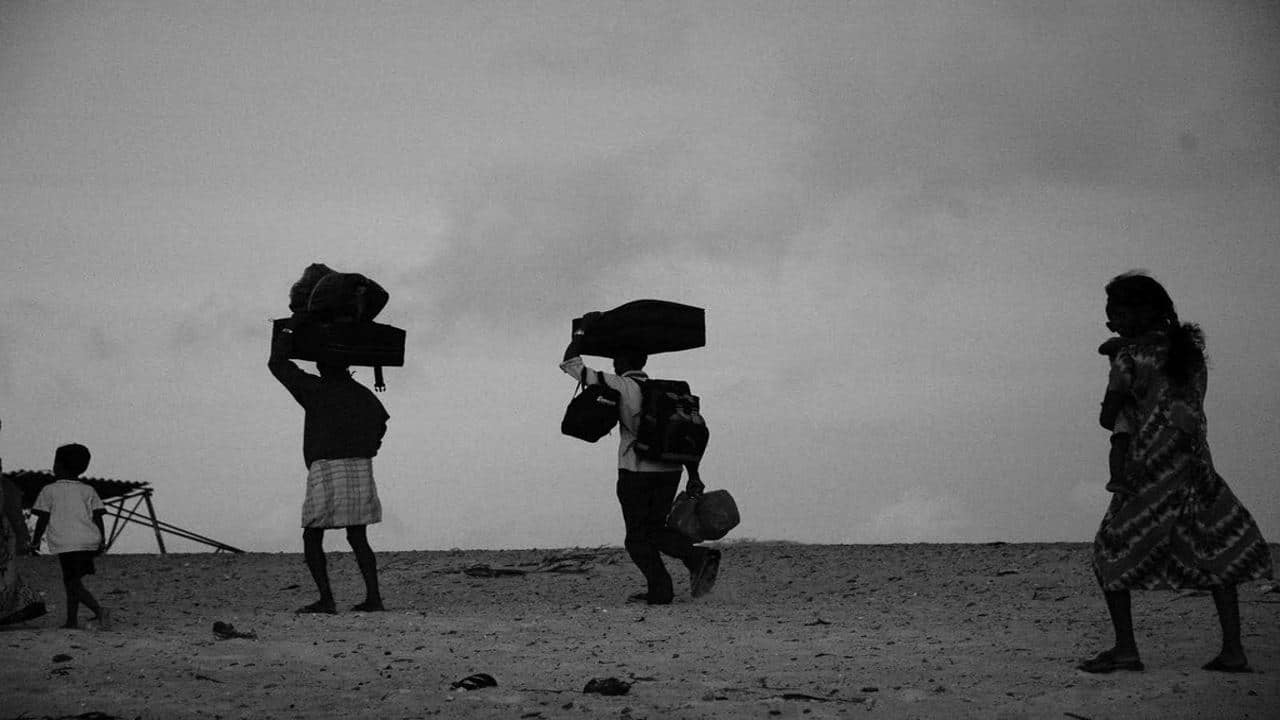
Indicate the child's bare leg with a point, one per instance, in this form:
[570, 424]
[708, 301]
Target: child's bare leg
[73, 606]
[71, 587]
[368, 563]
[1232, 658]
[313, 551]
[87, 599]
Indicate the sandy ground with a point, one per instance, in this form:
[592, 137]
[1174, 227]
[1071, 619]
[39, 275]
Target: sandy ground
[791, 631]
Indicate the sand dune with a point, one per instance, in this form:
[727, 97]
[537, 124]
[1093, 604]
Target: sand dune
[792, 631]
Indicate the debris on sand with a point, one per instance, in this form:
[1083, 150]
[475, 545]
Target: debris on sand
[484, 571]
[90, 715]
[227, 631]
[607, 686]
[570, 562]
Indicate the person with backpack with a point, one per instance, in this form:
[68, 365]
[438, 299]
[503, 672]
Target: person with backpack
[646, 486]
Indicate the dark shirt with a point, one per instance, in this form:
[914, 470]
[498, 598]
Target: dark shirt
[343, 418]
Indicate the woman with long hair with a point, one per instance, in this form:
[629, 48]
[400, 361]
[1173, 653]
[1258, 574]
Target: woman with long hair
[1177, 525]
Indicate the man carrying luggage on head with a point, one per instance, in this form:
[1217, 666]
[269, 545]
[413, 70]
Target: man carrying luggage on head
[646, 488]
[342, 431]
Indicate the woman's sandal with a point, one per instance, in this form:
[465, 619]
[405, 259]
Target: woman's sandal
[1106, 661]
[475, 682]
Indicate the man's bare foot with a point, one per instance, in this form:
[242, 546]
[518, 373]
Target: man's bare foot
[369, 606]
[104, 619]
[317, 607]
[1228, 662]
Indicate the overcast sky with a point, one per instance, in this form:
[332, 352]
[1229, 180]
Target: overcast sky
[899, 217]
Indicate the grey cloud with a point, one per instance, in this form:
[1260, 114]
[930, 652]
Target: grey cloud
[1099, 95]
[99, 345]
[59, 330]
[787, 116]
[211, 330]
[536, 241]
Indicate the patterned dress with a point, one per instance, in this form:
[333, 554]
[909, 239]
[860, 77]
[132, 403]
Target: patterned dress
[18, 602]
[1182, 527]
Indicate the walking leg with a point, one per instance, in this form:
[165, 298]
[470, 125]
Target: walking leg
[313, 551]
[1124, 655]
[702, 563]
[1232, 658]
[358, 538]
[1119, 605]
[634, 496]
[70, 586]
[87, 599]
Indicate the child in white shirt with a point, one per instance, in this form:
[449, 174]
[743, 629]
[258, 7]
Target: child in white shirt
[72, 513]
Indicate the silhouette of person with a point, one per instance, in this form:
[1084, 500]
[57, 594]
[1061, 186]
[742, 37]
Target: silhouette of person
[646, 488]
[71, 512]
[342, 431]
[1178, 525]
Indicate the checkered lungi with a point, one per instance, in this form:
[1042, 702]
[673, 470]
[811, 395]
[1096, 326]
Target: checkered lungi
[341, 493]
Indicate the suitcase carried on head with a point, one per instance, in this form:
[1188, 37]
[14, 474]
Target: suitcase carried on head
[367, 344]
[649, 326]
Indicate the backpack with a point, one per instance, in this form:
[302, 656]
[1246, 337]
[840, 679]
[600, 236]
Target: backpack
[593, 412]
[671, 428]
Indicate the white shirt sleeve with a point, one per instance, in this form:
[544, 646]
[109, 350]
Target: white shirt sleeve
[573, 367]
[43, 503]
[95, 502]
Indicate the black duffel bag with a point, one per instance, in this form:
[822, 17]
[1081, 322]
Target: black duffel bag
[703, 516]
[593, 412]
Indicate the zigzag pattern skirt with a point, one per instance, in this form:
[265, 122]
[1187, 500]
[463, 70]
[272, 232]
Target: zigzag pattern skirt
[1181, 528]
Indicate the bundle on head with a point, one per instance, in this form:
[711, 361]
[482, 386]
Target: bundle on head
[300, 293]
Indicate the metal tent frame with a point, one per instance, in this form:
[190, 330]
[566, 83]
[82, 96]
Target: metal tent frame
[121, 516]
[126, 502]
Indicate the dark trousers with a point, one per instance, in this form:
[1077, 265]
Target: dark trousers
[646, 499]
